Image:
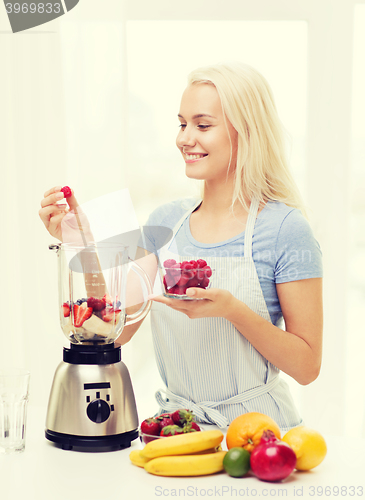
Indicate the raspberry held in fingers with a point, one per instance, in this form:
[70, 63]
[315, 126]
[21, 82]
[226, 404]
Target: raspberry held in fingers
[66, 191]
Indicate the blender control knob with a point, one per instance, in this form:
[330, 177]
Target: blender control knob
[98, 411]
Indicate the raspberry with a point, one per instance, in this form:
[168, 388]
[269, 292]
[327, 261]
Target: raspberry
[66, 191]
[169, 262]
[171, 280]
[194, 282]
[204, 283]
[208, 271]
[96, 304]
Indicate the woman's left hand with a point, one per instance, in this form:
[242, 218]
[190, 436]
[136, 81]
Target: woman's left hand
[216, 302]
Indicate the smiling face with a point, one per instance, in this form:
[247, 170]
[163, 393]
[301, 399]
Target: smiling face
[208, 148]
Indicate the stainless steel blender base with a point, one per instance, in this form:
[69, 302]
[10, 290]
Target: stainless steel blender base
[92, 403]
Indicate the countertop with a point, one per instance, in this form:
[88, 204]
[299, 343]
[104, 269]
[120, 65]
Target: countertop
[44, 471]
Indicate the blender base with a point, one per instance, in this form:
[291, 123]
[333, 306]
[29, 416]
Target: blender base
[92, 443]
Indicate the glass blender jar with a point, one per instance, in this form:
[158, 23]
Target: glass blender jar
[92, 403]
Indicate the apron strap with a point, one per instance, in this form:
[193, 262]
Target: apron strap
[251, 220]
[205, 409]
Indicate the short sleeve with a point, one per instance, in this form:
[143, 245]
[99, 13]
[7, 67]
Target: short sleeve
[155, 233]
[298, 253]
[147, 240]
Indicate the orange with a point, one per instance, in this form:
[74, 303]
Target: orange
[308, 445]
[246, 430]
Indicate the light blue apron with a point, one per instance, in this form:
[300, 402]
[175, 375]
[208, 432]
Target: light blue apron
[207, 365]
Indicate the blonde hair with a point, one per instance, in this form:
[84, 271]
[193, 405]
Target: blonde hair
[262, 168]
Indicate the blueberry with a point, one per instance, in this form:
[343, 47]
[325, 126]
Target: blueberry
[79, 302]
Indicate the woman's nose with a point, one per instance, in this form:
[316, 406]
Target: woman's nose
[185, 138]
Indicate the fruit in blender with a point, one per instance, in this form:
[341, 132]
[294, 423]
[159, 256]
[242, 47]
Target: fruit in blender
[95, 325]
[81, 314]
[66, 309]
[96, 304]
[108, 314]
[107, 300]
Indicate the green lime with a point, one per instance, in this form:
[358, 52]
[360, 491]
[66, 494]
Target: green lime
[236, 462]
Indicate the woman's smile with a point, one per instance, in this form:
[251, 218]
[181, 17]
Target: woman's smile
[193, 157]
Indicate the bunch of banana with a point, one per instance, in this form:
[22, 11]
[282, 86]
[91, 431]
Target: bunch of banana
[191, 454]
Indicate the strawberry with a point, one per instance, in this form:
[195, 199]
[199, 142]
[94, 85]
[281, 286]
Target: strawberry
[191, 427]
[165, 419]
[107, 299]
[96, 304]
[151, 426]
[81, 314]
[66, 309]
[108, 314]
[171, 430]
[66, 191]
[181, 417]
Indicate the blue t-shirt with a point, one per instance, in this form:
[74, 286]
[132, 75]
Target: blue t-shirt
[283, 245]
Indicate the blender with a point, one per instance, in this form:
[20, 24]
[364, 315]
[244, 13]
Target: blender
[92, 404]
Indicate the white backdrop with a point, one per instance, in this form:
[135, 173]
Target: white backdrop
[77, 110]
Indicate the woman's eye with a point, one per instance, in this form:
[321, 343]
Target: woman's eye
[200, 127]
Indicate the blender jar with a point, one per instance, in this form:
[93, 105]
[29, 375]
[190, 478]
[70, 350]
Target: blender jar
[92, 290]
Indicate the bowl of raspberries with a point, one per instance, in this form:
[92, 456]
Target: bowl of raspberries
[177, 277]
[168, 424]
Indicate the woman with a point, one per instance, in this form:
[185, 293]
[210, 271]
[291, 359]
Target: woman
[221, 356]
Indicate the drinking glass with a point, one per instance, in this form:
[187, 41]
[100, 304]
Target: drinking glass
[14, 391]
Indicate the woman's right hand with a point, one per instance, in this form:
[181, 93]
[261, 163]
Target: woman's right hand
[52, 213]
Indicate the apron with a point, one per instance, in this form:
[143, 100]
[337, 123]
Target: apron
[207, 365]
